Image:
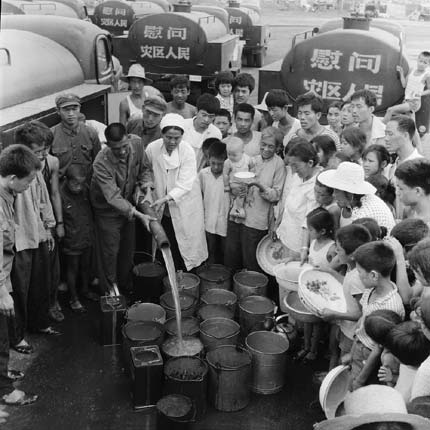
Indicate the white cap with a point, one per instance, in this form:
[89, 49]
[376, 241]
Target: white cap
[172, 120]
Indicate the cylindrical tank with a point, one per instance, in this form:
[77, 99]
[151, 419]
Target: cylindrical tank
[164, 42]
[219, 12]
[11, 7]
[48, 8]
[241, 20]
[163, 3]
[56, 68]
[337, 63]
[143, 8]
[114, 16]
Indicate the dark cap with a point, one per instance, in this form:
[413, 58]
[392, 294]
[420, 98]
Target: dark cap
[64, 100]
[155, 104]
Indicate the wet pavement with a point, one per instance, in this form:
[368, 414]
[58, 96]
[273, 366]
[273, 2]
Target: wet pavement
[83, 385]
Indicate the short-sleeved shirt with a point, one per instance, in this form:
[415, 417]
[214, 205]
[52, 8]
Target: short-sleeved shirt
[7, 226]
[392, 302]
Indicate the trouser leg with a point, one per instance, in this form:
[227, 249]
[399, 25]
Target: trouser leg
[125, 254]
[5, 382]
[167, 224]
[233, 248]
[250, 239]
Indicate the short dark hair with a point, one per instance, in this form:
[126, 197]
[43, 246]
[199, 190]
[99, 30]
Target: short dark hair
[312, 99]
[379, 323]
[415, 173]
[381, 152]
[34, 133]
[224, 112]
[207, 143]
[304, 151]
[179, 81]
[425, 54]
[410, 231]
[419, 258]
[405, 124]
[408, 344]
[335, 104]
[208, 102]
[321, 219]
[218, 150]
[371, 224]
[277, 98]
[224, 77]
[384, 188]
[352, 236]
[325, 143]
[76, 171]
[244, 80]
[18, 160]
[246, 108]
[355, 137]
[115, 132]
[377, 256]
[368, 96]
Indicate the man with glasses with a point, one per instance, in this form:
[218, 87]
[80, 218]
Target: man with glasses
[180, 90]
[200, 128]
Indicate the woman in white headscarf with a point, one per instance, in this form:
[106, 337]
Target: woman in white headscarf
[177, 193]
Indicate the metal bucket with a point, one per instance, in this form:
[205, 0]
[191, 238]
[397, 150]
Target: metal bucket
[187, 301]
[214, 276]
[214, 311]
[229, 378]
[187, 282]
[188, 376]
[269, 354]
[218, 296]
[146, 312]
[147, 281]
[254, 312]
[249, 283]
[175, 411]
[189, 325]
[216, 332]
[190, 347]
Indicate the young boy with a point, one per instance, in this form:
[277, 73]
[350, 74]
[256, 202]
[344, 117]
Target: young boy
[374, 261]
[223, 122]
[215, 202]
[18, 166]
[180, 90]
[224, 86]
[78, 240]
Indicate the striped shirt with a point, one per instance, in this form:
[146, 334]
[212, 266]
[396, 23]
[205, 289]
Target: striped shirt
[392, 302]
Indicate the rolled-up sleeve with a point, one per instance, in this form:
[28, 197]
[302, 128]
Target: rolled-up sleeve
[187, 174]
[273, 193]
[146, 175]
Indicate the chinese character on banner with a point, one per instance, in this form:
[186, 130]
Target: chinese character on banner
[326, 59]
[158, 52]
[364, 62]
[331, 90]
[235, 19]
[171, 54]
[153, 32]
[350, 92]
[183, 53]
[123, 23]
[107, 11]
[122, 12]
[178, 33]
[313, 85]
[377, 89]
[146, 51]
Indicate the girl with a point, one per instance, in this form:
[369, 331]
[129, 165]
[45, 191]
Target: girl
[352, 143]
[346, 117]
[224, 85]
[375, 159]
[334, 117]
[320, 226]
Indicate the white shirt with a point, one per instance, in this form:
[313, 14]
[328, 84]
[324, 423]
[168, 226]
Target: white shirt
[377, 132]
[421, 384]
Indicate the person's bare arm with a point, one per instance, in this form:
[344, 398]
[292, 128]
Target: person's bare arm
[370, 365]
[56, 198]
[123, 112]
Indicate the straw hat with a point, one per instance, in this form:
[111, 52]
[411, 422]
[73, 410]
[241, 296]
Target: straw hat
[136, 71]
[374, 404]
[347, 177]
[172, 120]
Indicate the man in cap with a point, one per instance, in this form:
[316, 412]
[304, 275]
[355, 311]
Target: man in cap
[120, 169]
[148, 126]
[139, 84]
[74, 142]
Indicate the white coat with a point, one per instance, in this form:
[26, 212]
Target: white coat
[176, 175]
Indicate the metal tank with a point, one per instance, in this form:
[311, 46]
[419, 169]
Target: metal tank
[216, 11]
[11, 8]
[338, 62]
[143, 8]
[115, 16]
[48, 8]
[88, 43]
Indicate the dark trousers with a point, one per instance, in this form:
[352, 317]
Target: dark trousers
[216, 245]
[167, 224]
[115, 249]
[241, 247]
[54, 274]
[30, 293]
[5, 383]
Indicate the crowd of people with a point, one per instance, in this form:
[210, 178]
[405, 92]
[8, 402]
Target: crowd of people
[351, 198]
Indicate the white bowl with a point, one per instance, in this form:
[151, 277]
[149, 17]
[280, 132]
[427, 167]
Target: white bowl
[270, 253]
[333, 390]
[244, 177]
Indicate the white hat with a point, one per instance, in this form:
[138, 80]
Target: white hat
[262, 106]
[172, 120]
[347, 177]
[136, 71]
[374, 404]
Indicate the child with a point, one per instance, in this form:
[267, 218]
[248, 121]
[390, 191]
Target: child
[215, 202]
[326, 149]
[224, 85]
[414, 84]
[180, 90]
[352, 143]
[223, 122]
[207, 143]
[237, 161]
[78, 240]
[346, 118]
[374, 262]
[320, 226]
[334, 117]
[377, 326]
[375, 159]
[408, 344]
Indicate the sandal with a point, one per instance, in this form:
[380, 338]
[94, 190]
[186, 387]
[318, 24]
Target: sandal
[56, 315]
[77, 307]
[15, 375]
[301, 354]
[24, 348]
[19, 398]
[49, 331]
